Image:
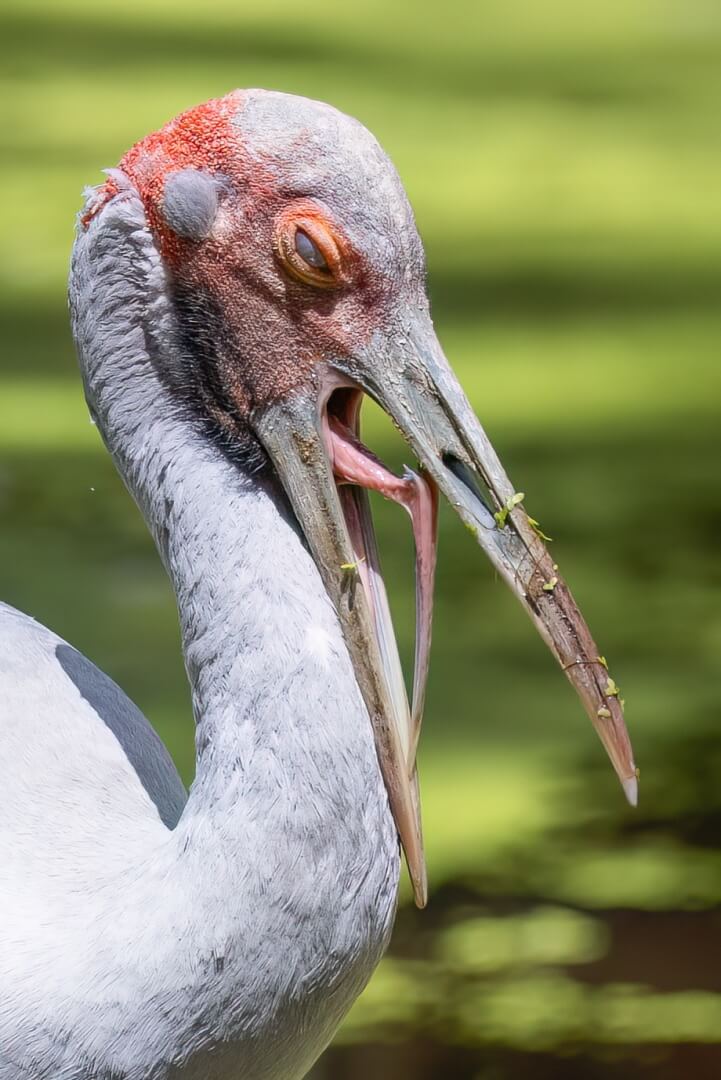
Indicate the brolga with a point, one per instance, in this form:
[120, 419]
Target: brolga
[244, 278]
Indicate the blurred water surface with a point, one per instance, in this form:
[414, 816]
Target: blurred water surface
[565, 166]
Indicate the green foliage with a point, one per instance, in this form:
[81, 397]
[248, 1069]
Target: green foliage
[511, 502]
[535, 525]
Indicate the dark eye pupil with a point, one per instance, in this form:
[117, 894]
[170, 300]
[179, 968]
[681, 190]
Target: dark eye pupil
[309, 251]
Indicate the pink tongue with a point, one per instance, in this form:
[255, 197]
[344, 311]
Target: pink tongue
[353, 463]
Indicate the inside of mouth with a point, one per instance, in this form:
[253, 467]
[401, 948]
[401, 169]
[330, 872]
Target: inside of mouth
[357, 470]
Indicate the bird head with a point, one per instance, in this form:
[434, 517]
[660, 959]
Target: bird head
[298, 284]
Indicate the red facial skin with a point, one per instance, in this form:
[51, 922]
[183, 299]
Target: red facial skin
[268, 329]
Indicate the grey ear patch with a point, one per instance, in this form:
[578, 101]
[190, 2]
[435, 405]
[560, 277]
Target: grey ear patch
[190, 203]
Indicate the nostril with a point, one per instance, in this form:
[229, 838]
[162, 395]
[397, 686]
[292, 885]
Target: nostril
[470, 480]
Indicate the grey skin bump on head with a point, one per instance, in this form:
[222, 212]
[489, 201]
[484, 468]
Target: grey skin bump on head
[190, 203]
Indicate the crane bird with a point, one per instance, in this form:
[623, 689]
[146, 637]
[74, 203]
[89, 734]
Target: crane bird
[244, 277]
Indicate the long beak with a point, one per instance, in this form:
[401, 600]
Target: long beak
[409, 377]
[292, 433]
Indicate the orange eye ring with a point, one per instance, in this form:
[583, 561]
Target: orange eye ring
[294, 230]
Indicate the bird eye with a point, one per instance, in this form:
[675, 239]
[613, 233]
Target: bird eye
[309, 251]
[307, 248]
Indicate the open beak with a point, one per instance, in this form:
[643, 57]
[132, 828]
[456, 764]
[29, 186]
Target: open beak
[312, 438]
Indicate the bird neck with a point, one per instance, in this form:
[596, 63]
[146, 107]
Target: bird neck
[286, 847]
[273, 690]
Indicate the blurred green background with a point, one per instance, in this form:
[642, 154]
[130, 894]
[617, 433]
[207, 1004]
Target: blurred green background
[564, 162]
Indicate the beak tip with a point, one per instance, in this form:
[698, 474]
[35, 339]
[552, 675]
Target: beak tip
[420, 896]
[630, 788]
[419, 883]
